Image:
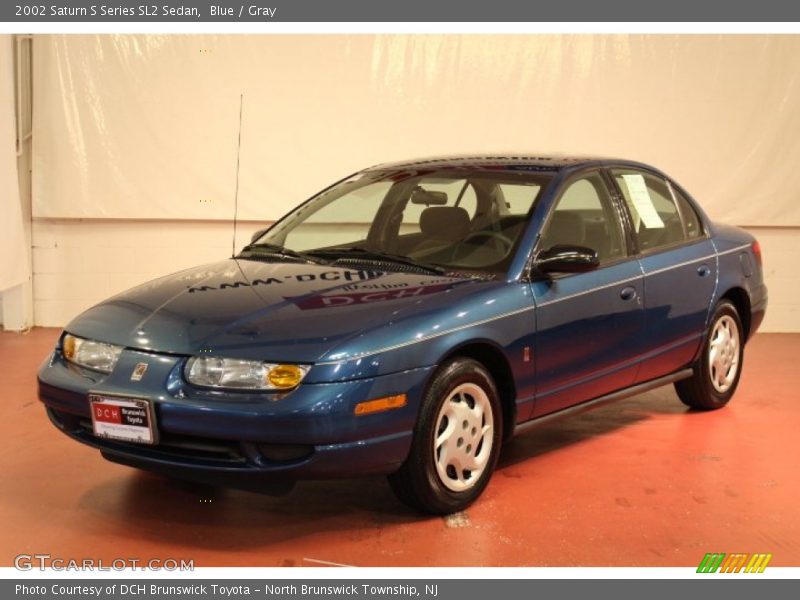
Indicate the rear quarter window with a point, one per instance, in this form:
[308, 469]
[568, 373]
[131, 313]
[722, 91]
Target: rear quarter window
[691, 220]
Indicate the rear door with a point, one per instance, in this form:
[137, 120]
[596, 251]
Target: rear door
[679, 265]
[589, 326]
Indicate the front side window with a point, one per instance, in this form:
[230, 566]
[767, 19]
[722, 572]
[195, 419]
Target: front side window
[450, 219]
[584, 216]
[652, 204]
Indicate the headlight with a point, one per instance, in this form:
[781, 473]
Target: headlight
[90, 354]
[209, 371]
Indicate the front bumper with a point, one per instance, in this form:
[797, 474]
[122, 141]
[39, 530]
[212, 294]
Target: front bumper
[235, 439]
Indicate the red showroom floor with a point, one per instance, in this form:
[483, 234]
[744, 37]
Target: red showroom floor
[644, 482]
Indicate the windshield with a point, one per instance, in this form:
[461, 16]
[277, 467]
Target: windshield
[444, 220]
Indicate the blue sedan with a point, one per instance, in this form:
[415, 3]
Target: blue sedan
[407, 320]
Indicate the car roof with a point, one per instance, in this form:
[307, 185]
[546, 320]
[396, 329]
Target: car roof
[500, 162]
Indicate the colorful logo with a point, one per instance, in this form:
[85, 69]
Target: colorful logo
[734, 563]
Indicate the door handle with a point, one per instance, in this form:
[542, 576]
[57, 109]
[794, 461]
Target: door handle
[628, 293]
[703, 271]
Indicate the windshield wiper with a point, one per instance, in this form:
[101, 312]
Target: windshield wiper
[376, 255]
[273, 250]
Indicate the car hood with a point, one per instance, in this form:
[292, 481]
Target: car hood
[277, 311]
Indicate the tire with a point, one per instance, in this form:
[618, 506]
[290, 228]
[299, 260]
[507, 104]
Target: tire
[717, 370]
[450, 423]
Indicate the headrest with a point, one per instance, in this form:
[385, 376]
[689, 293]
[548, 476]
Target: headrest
[444, 222]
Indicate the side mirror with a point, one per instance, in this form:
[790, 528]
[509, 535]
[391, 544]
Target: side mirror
[566, 259]
[258, 234]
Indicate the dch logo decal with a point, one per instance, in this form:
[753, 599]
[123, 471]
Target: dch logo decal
[107, 414]
[719, 562]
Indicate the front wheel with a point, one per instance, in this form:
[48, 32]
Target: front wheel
[717, 371]
[456, 441]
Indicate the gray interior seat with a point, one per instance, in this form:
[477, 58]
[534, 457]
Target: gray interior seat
[443, 226]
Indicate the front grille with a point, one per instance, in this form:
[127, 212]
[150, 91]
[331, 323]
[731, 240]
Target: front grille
[184, 448]
[188, 449]
[180, 446]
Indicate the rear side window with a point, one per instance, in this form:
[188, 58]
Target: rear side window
[652, 205]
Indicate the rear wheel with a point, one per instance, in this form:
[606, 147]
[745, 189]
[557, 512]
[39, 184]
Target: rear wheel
[717, 371]
[456, 441]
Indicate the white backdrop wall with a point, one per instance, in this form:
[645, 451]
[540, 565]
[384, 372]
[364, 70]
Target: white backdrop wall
[146, 126]
[14, 263]
[135, 137]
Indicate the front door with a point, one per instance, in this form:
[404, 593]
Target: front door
[589, 326]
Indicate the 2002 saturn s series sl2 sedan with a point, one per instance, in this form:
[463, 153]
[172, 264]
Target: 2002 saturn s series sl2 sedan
[405, 320]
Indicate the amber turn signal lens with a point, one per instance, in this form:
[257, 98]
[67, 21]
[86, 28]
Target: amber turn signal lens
[68, 347]
[380, 404]
[285, 377]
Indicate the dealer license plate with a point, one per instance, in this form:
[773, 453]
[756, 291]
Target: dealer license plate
[124, 419]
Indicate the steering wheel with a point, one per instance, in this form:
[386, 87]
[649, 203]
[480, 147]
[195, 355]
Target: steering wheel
[492, 235]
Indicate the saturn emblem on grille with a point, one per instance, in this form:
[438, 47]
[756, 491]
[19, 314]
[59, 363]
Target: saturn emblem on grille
[138, 371]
